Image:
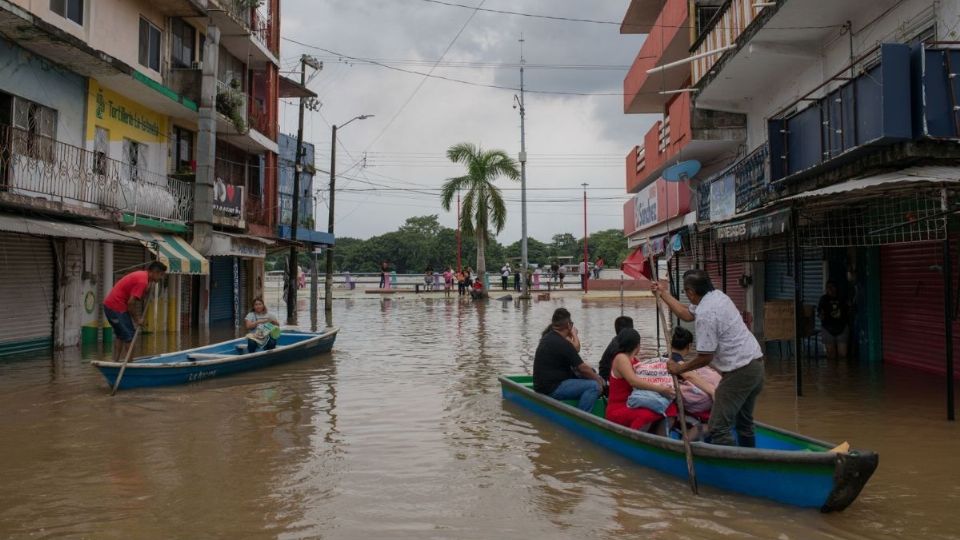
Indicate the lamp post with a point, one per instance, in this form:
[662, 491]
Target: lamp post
[586, 270]
[520, 104]
[328, 282]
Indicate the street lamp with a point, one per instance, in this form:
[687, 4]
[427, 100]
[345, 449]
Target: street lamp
[328, 282]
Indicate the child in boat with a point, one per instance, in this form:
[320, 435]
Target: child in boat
[264, 326]
[697, 387]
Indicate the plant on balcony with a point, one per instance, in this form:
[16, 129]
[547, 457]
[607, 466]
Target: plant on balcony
[249, 4]
[230, 103]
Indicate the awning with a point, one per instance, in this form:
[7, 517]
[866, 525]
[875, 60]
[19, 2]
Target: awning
[175, 252]
[292, 89]
[239, 245]
[876, 184]
[769, 224]
[60, 229]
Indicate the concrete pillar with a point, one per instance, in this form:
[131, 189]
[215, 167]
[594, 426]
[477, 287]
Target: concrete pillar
[69, 307]
[206, 146]
[173, 303]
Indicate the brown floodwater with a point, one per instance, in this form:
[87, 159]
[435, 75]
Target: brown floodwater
[401, 432]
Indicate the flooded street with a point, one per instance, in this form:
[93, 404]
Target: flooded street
[401, 433]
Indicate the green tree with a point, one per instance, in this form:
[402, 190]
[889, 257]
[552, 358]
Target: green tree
[610, 244]
[483, 204]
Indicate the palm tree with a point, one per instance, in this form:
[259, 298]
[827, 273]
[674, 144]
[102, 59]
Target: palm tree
[483, 204]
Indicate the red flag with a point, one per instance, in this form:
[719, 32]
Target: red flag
[637, 266]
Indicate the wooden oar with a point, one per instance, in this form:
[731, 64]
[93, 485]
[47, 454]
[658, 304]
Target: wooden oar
[691, 471]
[136, 334]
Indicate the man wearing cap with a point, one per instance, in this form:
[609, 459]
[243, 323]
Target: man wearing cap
[725, 343]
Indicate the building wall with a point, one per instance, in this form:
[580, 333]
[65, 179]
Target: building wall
[41, 9]
[125, 119]
[27, 75]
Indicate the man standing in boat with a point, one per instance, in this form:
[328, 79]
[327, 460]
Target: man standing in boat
[725, 343]
[123, 305]
[558, 370]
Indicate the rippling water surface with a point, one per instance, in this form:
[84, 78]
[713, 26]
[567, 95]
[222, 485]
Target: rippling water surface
[401, 433]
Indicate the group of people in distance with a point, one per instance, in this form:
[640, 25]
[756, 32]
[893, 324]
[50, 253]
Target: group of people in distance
[720, 377]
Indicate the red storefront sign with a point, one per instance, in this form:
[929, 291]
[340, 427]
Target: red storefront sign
[655, 204]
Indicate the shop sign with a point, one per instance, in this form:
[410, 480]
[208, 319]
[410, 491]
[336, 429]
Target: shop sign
[659, 202]
[645, 207]
[121, 117]
[723, 198]
[231, 246]
[227, 198]
[768, 225]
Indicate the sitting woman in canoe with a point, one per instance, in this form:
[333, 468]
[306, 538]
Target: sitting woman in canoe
[624, 379]
[264, 327]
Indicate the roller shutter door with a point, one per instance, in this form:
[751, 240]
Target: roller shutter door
[221, 289]
[27, 289]
[911, 303]
[186, 295]
[128, 258]
[245, 304]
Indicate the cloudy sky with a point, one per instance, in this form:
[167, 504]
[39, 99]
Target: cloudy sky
[393, 164]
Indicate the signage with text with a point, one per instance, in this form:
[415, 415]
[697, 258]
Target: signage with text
[659, 202]
[227, 198]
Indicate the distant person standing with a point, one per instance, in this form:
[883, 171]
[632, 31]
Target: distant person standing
[554, 271]
[536, 278]
[583, 269]
[461, 282]
[123, 306]
[834, 322]
[516, 279]
[447, 281]
[384, 274]
[504, 276]
[597, 267]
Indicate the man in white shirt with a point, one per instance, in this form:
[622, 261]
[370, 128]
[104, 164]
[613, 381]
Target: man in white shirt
[504, 275]
[725, 343]
[583, 274]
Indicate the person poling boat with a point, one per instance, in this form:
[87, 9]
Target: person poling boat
[123, 305]
[264, 326]
[725, 343]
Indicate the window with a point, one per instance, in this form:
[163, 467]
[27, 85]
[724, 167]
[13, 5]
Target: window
[37, 127]
[101, 150]
[183, 150]
[70, 9]
[706, 11]
[135, 154]
[149, 45]
[183, 39]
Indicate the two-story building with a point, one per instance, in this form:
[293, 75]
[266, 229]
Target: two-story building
[848, 170]
[99, 148]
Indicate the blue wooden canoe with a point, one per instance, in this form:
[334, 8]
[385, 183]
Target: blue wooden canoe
[215, 360]
[785, 467]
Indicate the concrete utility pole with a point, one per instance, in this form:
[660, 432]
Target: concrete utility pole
[328, 281]
[292, 274]
[586, 263]
[524, 263]
[206, 146]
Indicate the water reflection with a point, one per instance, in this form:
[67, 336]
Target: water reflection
[402, 433]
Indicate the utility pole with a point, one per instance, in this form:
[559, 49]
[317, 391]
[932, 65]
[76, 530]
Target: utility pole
[292, 274]
[586, 264]
[328, 281]
[524, 263]
[459, 260]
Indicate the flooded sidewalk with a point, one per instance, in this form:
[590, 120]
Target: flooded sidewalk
[401, 432]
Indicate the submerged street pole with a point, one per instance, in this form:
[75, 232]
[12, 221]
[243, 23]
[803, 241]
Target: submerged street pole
[328, 280]
[524, 262]
[586, 269]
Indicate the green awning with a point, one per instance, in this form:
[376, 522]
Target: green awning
[175, 252]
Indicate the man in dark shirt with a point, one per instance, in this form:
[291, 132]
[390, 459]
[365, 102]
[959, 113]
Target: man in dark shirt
[833, 321]
[606, 361]
[558, 370]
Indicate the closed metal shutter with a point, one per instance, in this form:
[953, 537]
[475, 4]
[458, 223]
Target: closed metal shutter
[911, 304]
[186, 294]
[245, 304]
[128, 258]
[27, 290]
[221, 289]
[778, 278]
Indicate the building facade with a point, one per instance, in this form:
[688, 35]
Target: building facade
[101, 141]
[844, 168]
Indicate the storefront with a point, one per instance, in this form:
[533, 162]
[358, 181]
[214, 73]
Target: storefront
[236, 275]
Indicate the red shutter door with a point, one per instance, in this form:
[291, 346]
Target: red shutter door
[911, 303]
[733, 289]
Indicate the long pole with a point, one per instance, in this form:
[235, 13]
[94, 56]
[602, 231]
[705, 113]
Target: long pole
[328, 281]
[133, 341]
[586, 270]
[524, 262]
[292, 273]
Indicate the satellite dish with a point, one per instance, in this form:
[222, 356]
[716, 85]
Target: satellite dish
[684, 170]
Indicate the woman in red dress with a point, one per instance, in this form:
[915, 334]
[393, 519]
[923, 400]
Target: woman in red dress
[623, 379]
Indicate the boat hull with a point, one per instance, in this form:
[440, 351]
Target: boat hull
[789, 468]
[175, 368]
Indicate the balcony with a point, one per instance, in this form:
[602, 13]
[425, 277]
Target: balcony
[182, 8]
[641, 16]
[670, 42]
[246, 30]
[234, 121]
[306, 231]
[684, 133]
[772, 46]
[36, 168]
[903, 93]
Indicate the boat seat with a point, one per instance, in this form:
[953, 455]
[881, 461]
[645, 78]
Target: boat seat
[204, 356]
[242, 348]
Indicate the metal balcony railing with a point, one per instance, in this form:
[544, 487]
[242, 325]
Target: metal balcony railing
[721, 32]
[32, 165]
[256, 18]
[663, 139]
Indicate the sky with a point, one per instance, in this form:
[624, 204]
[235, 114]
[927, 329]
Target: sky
[390, 167]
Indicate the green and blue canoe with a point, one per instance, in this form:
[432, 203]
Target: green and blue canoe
[785, 467]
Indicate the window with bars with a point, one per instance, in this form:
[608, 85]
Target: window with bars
[149, 45]
[101, 150]
[183, 44]
[39, 128]
[135, 155]
[68, 9]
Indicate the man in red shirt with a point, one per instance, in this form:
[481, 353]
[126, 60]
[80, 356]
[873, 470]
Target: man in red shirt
[123, 306]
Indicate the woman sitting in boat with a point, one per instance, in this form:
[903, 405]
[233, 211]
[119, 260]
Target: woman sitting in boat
[264, 327]
[624, 379]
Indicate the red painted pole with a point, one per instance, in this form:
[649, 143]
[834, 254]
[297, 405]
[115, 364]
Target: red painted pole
[459, 266]
[586, 269]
